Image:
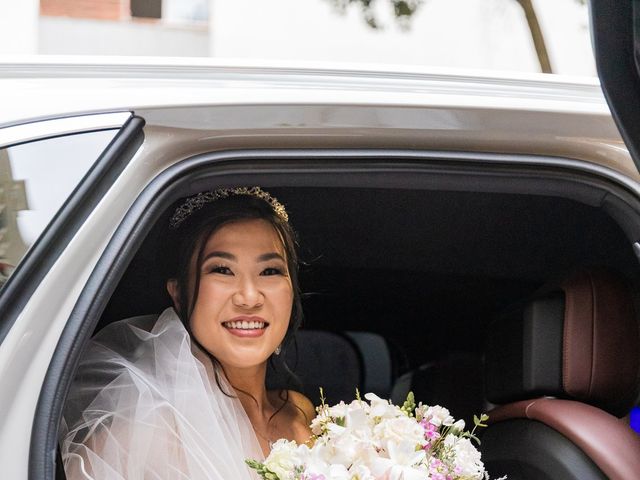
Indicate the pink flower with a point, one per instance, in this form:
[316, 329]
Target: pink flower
[313, 476]
[430, 430]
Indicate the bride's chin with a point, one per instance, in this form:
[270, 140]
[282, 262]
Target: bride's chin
[245, 360]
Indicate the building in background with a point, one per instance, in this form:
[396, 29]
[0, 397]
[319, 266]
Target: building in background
[459, 34]
[124, 27]
[13, 198]
[105, 27]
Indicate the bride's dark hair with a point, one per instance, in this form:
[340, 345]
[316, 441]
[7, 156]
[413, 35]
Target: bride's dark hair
[191, 236]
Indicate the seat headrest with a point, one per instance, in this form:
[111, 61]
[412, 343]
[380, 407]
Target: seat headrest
[318, 359]
[577, 339]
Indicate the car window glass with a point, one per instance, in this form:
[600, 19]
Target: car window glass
[35, 180]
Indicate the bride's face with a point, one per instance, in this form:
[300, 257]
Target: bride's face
[245, 295]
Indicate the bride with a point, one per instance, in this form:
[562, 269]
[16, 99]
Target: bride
[183, 396]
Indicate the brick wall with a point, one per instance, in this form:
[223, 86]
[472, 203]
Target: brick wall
[95, 9]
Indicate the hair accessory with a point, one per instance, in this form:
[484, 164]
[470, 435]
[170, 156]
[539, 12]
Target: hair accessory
[199, 200]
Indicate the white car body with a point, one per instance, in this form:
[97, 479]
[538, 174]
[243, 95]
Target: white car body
[198, 107]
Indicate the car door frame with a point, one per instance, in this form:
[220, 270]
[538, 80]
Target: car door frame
[615, 31]
[44, 252]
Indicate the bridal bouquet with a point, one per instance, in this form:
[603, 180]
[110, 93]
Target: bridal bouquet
[377, 440]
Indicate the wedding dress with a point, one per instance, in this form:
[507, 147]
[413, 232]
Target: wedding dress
[145, 404]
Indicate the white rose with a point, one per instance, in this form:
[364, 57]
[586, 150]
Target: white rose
[468, 462]
[319, 457]
[347, 448]
[338, 410]
[283, 459]
[357, 419]
[339, 472]
[405, 454]
[384, 469]
[437, 415]
[361, 472]
[399, 430]
[382, 408]
[458, 426]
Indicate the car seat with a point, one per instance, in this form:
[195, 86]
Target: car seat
[564, 369]
[376, 362]
[339, 363]
[318, 359]
[453, 381]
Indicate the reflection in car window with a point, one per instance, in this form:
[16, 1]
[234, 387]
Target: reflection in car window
[35, 180]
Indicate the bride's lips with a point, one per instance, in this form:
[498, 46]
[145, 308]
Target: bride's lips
[246, 326]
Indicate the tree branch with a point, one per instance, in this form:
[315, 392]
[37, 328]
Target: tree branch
[536, 35]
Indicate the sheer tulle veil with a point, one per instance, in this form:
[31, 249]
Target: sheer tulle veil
[145, 404]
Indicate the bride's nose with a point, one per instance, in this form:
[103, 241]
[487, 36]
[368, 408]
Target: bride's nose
[247, 295]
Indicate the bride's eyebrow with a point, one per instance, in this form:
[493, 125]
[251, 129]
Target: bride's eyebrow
[265, 257]
[220, 254]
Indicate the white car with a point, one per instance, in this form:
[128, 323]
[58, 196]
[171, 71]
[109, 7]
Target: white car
[450, 225]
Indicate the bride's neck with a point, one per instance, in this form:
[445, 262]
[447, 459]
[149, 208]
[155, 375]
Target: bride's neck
[249, 384]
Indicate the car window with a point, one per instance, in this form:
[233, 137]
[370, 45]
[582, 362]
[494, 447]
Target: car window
[35, 180]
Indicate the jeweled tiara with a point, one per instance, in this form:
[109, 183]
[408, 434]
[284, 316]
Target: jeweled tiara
[196, 202]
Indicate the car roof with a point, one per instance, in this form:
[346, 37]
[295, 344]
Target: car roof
[85, 85]
[316, 105]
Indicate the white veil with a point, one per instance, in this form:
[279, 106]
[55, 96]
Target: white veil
[145, 405]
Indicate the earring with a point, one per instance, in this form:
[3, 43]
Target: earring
[277, 350]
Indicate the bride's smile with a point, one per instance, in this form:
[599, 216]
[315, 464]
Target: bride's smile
[246, 326]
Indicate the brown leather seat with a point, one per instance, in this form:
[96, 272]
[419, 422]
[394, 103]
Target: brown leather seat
[564, 369]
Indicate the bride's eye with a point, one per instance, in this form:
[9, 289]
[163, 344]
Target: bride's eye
[272, 271]
[221, 269]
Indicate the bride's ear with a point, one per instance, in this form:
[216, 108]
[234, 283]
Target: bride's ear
[172, 288]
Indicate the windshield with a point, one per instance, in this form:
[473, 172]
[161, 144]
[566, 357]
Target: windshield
[548, 36]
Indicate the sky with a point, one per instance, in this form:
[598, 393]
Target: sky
[478, 34]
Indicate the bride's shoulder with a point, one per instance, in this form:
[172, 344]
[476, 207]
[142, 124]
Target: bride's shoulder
[294, 404]
[303, 405]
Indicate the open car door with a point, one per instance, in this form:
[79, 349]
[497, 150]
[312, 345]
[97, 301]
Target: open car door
[615, 27]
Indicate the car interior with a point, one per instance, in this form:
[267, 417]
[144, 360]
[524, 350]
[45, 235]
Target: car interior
[469, 299]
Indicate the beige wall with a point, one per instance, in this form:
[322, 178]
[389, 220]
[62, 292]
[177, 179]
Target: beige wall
[79, 36]
[98, 9]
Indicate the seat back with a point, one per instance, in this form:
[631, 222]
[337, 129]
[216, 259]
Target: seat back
[339, 363]
[454, 382]
[564, 367]
[318, 359]
[376, 362]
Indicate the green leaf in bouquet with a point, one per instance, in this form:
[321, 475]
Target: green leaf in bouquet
[323, 400]
[471, 436]
[323, 407]
[409, 405]
[479, 422]
[261, 470]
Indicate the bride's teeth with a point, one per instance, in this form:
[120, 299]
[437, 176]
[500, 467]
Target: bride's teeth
[245, 325]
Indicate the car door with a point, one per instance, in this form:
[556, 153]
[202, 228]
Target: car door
[615, 27]
[53, 173]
